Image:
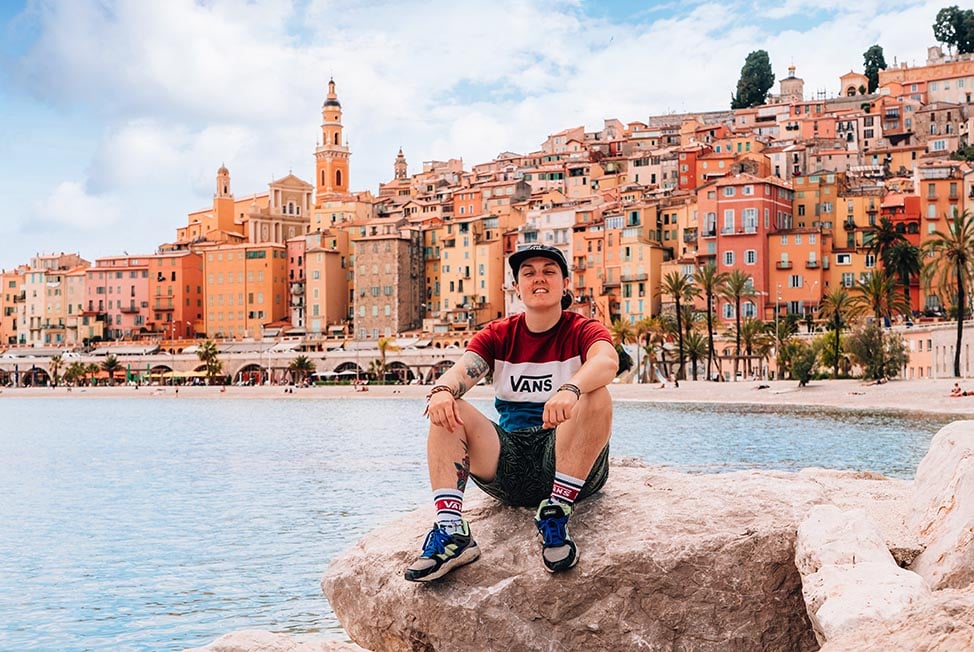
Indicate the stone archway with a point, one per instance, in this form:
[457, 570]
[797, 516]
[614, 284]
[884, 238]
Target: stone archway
[400, 372]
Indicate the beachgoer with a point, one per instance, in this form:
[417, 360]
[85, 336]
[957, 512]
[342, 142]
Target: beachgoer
[550, 369]
[956, 391]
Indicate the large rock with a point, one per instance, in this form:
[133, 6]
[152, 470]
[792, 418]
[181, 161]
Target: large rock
[848, 575]
[944, 508]
[256, 640]
[943, 622]
[668, 561]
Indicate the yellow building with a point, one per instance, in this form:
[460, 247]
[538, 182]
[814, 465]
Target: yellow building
[12, 301]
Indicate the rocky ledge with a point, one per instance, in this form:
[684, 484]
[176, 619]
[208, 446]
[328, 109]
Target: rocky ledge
[752, 560]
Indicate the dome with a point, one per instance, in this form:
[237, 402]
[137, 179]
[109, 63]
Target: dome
[223, 170]
[332, 102]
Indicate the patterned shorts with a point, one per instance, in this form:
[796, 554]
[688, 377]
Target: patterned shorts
[526, 468]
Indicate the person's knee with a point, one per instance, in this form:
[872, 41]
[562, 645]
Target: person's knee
[597, 404]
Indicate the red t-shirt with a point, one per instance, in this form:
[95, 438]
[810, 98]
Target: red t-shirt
[528, 367]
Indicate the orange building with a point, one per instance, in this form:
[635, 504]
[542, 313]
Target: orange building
[176, 294]
[246, 286]
[325, 292]
[12, 298]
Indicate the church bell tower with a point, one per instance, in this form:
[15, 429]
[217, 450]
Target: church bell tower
[331, 156]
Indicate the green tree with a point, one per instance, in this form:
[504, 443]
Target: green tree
[877, 294]
[879, 356]
[622, 333]
[208, 354]
[110, 366]
[75, 373]
[55, 367]
[882, 238]
[682, 289]
[903, 261]
[91, 369]
[301, 367]
[837, 307]
[873, 62]
[756, 80]
[948, 260]
[711, 284]
[737, 286]
[955, 28]
[803, 362]
[696, 345]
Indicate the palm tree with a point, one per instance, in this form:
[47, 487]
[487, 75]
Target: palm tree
[696, 345]
[55, 367]
[878, 295]
[948, 265]
[208, 354]
[111, 365]
[385, 344]
[711, 283]
[737, 286]
[302, 366]
[903, 261]
[622, 333]
[641, 330]
[75, 372]
[91, 369]
[837, 306]
[681, 288]
[881, 240]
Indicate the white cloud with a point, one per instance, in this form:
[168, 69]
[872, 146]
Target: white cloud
[69, 205]
[173, 89]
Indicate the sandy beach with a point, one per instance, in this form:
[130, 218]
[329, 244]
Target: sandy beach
[907, 395]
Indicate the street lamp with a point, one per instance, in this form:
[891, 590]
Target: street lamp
[777, 333]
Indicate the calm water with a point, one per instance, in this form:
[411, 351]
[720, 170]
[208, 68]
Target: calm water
[161, 524]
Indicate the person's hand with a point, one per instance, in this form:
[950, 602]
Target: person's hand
[442, 411]
[558, 408]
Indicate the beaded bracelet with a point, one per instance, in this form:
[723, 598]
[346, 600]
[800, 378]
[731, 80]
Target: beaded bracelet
[441, 388]
[569, 387]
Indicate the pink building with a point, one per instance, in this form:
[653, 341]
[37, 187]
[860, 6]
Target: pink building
[117, 292]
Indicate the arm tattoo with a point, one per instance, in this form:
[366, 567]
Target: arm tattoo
[476, 366]
[462, 389]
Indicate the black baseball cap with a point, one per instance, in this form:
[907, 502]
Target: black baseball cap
[538, 251]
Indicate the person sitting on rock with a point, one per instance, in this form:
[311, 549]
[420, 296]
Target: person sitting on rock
[550, 368]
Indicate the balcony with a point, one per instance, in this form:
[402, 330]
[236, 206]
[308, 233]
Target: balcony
[160, 307]
[811, 264]
[849, 225]
[129, 310]
[783, 264]
[630, 278]
[690, 236]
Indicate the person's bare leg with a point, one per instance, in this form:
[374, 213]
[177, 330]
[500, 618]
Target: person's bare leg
[579, 440]
[578, 443]
[472, 446]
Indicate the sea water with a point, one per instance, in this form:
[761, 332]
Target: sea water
[159, 524]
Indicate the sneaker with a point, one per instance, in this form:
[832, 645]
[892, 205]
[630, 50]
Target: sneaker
[442, 552]
[558, 551]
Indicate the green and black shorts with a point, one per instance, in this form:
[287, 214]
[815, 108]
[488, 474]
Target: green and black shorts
[526, 468]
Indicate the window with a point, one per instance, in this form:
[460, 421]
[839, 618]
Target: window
[795, 281]
[750, 257]
[727, 310]
[729, 258]
[748, 309]
[843, 259]
[728, 191]
[870, 260]
[848, 279]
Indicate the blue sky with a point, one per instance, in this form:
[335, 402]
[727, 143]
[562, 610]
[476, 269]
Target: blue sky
[117, 113]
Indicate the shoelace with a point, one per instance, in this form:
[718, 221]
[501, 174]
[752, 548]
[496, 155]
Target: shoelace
[435, 542]
[553, 530]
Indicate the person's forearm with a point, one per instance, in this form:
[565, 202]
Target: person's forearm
[464, 374]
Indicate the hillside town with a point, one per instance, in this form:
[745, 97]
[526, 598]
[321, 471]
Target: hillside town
[793, 194]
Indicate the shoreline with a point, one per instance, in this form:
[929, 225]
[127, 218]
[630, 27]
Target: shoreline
[925, 396]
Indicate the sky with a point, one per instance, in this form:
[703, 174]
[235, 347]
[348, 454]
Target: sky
[116, 114]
